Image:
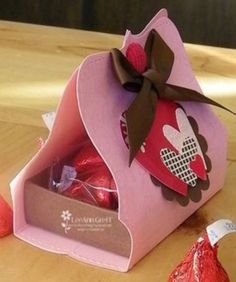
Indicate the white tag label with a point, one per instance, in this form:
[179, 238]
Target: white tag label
[67, 176]
[48, 119]
[219, 229]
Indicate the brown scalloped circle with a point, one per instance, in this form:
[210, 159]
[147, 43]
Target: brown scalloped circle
[194, 193]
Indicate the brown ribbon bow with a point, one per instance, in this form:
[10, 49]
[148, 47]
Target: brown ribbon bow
[150, 86]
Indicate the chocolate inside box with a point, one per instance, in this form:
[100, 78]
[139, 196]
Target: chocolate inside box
[74, 219]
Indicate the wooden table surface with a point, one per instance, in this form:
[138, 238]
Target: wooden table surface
[36, 62]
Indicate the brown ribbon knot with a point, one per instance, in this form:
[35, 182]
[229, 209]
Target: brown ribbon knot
[150, 85]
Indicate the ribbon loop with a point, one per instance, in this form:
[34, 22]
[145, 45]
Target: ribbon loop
[126, 73]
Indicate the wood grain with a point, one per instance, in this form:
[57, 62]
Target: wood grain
[36, 62]
[202, 22]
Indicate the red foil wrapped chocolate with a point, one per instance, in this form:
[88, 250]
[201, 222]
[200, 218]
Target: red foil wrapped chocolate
[6, 218]
[87, 159]
[92, 171]
[200, 265]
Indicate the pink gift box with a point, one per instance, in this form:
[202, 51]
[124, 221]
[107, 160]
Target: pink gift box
[92, 105]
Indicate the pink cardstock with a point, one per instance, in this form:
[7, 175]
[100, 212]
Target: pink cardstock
[92, 104]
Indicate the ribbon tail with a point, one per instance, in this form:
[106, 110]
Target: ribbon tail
[139, 118]
[178, 93]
